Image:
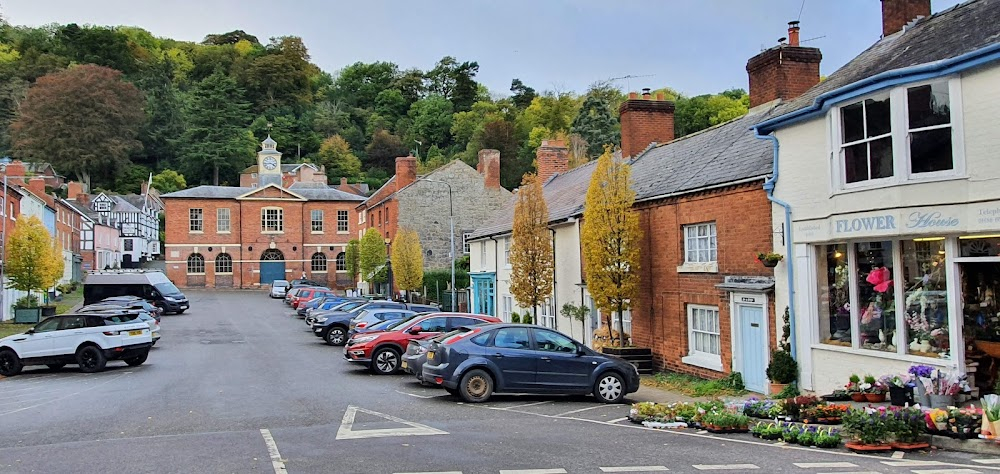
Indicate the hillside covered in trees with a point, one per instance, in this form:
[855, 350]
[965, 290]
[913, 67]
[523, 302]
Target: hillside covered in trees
[109, 105]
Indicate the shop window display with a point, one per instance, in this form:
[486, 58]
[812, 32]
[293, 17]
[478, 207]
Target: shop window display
[876, 295]
[835, 311]
[926, 297]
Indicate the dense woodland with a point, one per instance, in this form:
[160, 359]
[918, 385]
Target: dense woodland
[110, 105]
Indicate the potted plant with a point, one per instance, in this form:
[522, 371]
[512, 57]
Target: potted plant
[965, 423]
[853, 388]
[991, 411]
[26, 310]
[900, 389]
[919, 374]
[869, 429]
[769, 259]
[808, 436]
[873, 389]
[791, 434]
[908, 427]
[827, 439]
[782, 371]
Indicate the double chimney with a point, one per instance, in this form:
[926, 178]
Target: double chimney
[489, 167]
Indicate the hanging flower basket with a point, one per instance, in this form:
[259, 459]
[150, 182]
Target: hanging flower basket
[768, 259]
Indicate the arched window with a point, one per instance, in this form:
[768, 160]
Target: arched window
[196, 263]
[223, 263]
[319, 262]
[341, 262]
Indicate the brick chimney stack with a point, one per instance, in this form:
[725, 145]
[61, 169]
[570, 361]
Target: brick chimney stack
[15, 171]
[406, 171]
[645, 120]
[551, 158]
[73, 189]
[783, 72]
[489, 167]
[897, 13]
[37, 186]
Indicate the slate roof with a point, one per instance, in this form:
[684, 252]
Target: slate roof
[721, 154]
[961, 29]
[232, 192]
[285, 167]
[81, 208]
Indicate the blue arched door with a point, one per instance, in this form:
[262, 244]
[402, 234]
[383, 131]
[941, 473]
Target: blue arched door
[272, 266]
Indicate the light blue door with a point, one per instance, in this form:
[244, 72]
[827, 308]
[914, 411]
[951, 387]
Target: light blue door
[272, 266]
[753, 345]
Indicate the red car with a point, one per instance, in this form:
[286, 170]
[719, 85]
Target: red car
[307, 294]
[382, 351]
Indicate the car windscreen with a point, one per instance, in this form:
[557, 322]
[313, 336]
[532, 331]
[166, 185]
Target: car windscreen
[121, 319]
[167, 288]
[348, 306]
[399, 322]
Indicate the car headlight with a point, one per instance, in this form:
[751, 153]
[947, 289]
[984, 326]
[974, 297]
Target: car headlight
[364, 339]
[169, 298]
[321, 320]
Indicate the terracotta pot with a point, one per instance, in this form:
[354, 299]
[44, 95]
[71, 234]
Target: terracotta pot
[875, 397]
[867, 448]
[777, 388]
[858, 396]
[909, 446]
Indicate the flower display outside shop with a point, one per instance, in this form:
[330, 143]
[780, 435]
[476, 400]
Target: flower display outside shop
[769, 259]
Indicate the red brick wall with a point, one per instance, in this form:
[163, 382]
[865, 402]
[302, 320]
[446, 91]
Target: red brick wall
[783, 72]
[743, 225]
[897, 13]
[645, 121]
[551, 158]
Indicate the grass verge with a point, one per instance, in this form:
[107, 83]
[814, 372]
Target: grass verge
[697, 387]
[69, 300]
[9, 328]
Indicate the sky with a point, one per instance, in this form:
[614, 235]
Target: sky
[693, 46]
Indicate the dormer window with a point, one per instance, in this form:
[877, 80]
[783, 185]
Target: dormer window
[103, 206]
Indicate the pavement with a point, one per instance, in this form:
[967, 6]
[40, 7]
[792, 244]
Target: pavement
[238, 384]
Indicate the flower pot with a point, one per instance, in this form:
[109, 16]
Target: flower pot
[769, 263]
[27, 315]
[777, 388]
[875, 397]
[922, 398]
[900, 396]
[909, 446]
[858, 397]
[868, 448]
[942, 401]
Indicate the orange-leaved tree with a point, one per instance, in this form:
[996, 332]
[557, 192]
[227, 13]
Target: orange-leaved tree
[531, 249]
[610, 238]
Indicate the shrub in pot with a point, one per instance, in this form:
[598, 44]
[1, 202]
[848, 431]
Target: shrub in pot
[869, 429]
[782, 370]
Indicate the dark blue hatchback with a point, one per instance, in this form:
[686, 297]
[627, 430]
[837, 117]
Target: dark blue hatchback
[519, 358]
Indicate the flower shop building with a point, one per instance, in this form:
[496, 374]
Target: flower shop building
[885, 180]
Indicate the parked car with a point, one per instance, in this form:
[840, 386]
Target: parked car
[293, 292]
[334, 326]
[332, 302]
[88, 340]
[416, 352]
[372, 316]
[304, 282]
[307, 294]
[344, 307]
[129, 303]
[154, 325]
[278, 288]
[518, 358]
[386, 325]
[382, 351]
[150, 285]
[318, 301]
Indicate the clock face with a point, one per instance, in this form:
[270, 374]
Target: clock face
[270, 163]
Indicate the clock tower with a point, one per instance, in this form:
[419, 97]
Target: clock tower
[268, 163]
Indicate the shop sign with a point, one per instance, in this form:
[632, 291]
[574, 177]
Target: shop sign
[941, 220]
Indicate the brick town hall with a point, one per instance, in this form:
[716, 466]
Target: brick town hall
[248, 236]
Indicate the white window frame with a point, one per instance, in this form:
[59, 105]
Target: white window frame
[506, 251]
[507, 307]
[708, 266]
[343, 222]
[324, 263]
[466, 248]
[265, 220]
[215, 264]
[340, 262]
[203, 264]
[316, 225]
[626, 321]
[482, 254]
[899, 121]
[698, 358]
[223, 215]
[546, 315]
[196, 220]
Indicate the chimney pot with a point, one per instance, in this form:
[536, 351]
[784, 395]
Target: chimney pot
[660, 96]
[644, 122]
[633, 95]
[784, 72]
[793, 33]
[343, 181]
[645, 93]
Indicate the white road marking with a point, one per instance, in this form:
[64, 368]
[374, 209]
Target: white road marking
[898, 454]
[583, 409]
[346, 430]
[419, 396]
[814, 465]
[912, 463]
[272, 449]
[69, 395]
[724, 467]
[529, 404]
[534, 471]
[852, 472]
[441, 472]
[987, 461]
[945, 471]
[635, 469]
[617, 420]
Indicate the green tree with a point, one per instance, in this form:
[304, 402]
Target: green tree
[531, 256]
[361, 83]
[383, 151]
[407, 260]
[595, 124]
[698, 113]
[216, 137]
[432, 118]
[455, 82]
[282, 76]
[352, 259]
[168, 181]
[32, 262]
[83, 120]
[523, 95]
[610, 238]
[335, 154]
[372, 255]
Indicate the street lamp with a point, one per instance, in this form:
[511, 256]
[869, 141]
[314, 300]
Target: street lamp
[388, 269]
[451, 219]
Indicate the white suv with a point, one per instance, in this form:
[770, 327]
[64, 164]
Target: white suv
[87, 340]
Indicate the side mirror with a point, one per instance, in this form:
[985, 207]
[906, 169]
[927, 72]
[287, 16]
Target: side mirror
[416, 330]
[580, 351]
[30, 331]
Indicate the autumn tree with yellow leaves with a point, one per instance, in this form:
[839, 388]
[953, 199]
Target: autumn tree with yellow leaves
[408, 260]
[34, 262]
[531, 250]
[610, 238]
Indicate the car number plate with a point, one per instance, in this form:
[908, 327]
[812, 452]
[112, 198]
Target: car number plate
[135, 333]
[403, 364]
[430, 356]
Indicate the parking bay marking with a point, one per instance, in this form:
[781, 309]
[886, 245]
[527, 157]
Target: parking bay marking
[272, 450]
[346, 430]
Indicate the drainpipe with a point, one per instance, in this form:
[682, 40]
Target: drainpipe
[496, 275]
[555, 302]
[789, 249]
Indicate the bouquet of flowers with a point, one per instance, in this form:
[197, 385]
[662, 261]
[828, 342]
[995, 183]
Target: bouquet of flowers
[896, 380]
[881, 280]
[919, 327]
[946, 383]
[921, 371]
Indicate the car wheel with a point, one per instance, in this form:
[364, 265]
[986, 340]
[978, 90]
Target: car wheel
[137, 360]
[610, 388]
[336, 336]
[385, 361]
[476, 386]
[55, 366]
[91, 359]
[10, 363]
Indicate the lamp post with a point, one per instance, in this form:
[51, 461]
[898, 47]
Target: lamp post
[451, 219]
[388, 269]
